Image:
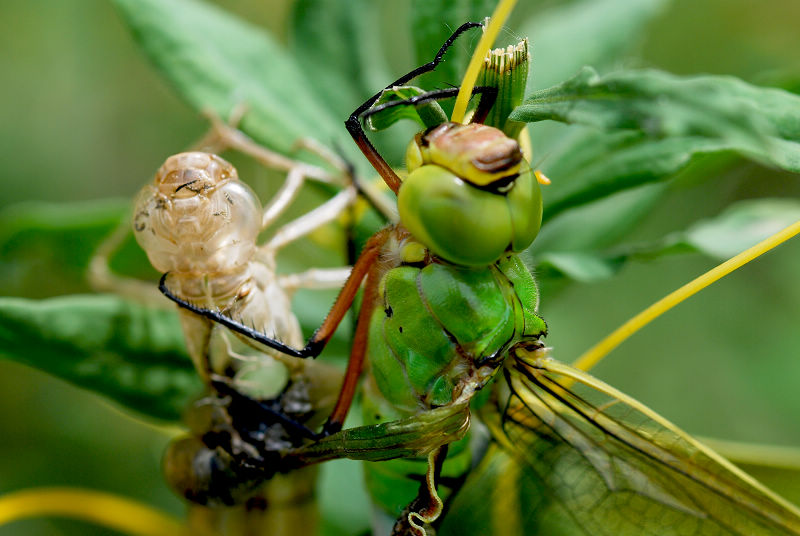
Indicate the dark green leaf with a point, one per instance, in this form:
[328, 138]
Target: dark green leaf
[592, 165]
[217, 61]
[588, 32]
[760, 122]
[45, 247]
[129, 353]
[679, 121]
[337, 44]
[599, 224]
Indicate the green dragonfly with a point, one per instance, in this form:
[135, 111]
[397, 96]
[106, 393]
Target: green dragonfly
[448, 319]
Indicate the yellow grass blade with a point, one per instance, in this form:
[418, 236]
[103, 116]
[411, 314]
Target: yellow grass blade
[118, 513]
[601, 349]
[501, 13]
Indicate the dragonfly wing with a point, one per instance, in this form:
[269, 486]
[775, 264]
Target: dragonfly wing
[618, 468]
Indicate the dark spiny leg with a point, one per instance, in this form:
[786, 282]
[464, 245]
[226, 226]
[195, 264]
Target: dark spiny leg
[488, 98]
[353, 122]
[321, 337]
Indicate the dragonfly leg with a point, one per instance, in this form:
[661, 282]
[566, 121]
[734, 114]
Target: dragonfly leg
[322, 215]
[489, 97]
[314, 278]
[317, 342]
[355, 364]
[427, 506]
[353, 123]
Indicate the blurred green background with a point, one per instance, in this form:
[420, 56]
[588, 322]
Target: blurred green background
[85, 117]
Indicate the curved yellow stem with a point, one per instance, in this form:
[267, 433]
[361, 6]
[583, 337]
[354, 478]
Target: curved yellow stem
[601, 349]
[118, 513]
[501, 13]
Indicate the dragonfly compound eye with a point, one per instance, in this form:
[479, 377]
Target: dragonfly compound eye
[207, 476]
[471, 207]
[196, 216]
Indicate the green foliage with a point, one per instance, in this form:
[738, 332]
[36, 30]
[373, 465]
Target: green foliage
[216, 61]
[737, 228]
[630, 134]
[129, 353]
[36, 238]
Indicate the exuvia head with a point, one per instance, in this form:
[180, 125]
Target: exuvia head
[197, 216]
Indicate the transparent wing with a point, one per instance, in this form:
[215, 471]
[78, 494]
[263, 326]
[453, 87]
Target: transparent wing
[617, 468]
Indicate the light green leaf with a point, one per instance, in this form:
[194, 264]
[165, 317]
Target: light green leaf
[338, 44]
[216, 61]
[740, 226]
[129, 353]
[427, 113]
[760, 122]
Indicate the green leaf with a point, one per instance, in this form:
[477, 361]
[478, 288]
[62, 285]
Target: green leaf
[660, 123]
[760, 122]
[740, 226]
[592, 165]
[427, 113]
[588, 32]
[129, 353]
[217, 61]
[338, 45]
[599, 224]
[45, 247]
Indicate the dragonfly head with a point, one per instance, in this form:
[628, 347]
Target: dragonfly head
[469, 195]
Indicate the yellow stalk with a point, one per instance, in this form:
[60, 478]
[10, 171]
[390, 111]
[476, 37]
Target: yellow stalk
[601, 349]
[501, 13]
[118, 513]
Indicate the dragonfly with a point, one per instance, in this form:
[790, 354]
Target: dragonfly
[197, 220]
[448, 321]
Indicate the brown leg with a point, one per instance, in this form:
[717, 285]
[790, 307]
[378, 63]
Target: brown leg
[353, 122]
[356, 363]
